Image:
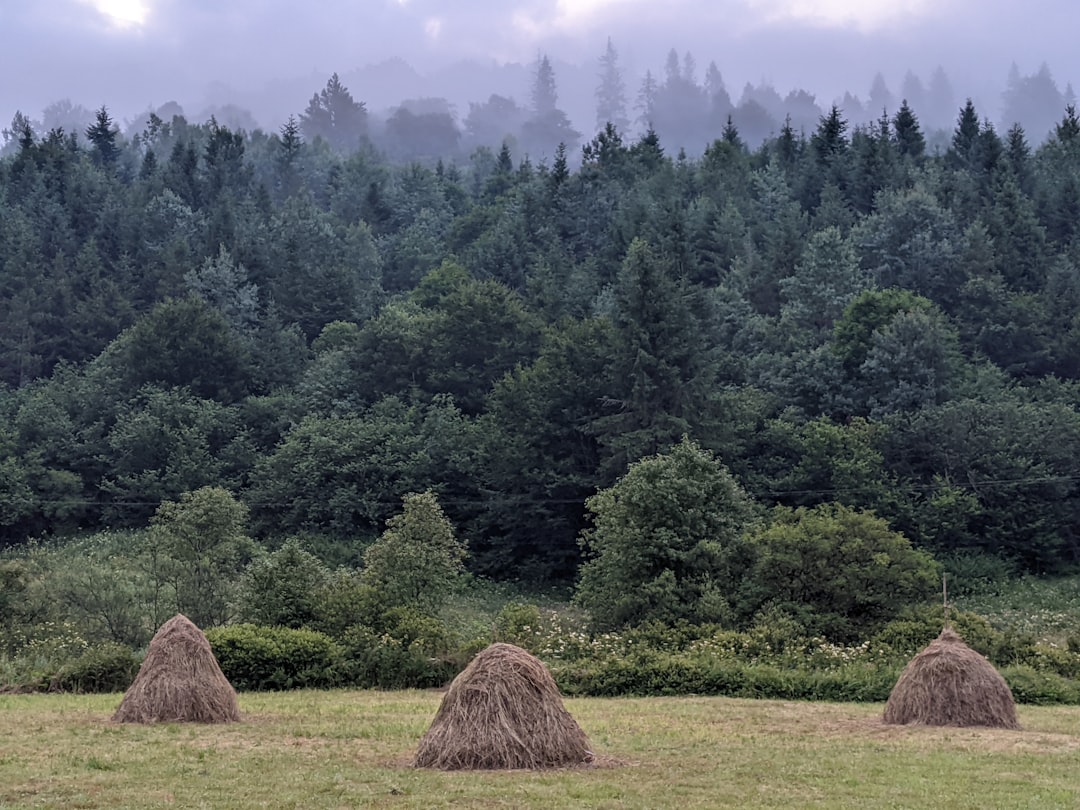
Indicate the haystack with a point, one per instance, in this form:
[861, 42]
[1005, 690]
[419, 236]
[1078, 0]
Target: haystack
[179, 681]
[949, 684]
[503, 711]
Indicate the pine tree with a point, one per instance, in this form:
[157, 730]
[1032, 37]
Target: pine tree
[611, 92]
[830, 140]
[663, 356]
[1018, 155]
[544, 96]
[1067, 131]
[646, 100]
[880, 96]
[548, 126]
[965, 140]
[731, 134]
[909, 138]
[102, 136]
[335, 116]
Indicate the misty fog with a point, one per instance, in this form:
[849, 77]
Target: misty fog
[252, 65]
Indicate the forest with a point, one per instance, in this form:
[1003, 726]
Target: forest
[830, 330]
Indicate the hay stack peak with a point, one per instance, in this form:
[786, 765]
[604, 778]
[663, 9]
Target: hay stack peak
[179, 681]
[949, 684]
[503, 711]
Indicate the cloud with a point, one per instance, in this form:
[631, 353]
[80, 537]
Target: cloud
[864, 15]
[70, 49]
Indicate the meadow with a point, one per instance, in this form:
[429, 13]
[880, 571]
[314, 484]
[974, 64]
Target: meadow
[347, 749]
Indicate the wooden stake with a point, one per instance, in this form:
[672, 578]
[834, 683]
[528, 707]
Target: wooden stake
[945, 599]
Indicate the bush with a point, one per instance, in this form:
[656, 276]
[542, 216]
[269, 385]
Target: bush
[344, 601]
[266, 658]
[653, 673]
[841, 572]
[107, 667]
[283, 587]
[917, 627]
[1028, 685]
[413, 628]
[666, 542]
[375, 660]
[974, 571]
[520, 624]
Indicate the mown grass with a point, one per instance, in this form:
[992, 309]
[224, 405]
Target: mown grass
[352, 749]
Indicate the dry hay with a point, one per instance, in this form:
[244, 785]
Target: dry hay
[949, 684]
[503, 711]
[179, 681]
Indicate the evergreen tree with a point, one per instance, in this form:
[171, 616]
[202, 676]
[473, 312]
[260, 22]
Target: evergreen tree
[1067, 131]
[102, 135]
[913, 91]
[716, 96]
[909, 137]
[826, 279]
[663, 357]
[830, 140]
[646, 101]
[548, 126]
[290, 145]
[335, 116]
[964, 149]
[543, 95]
[611, 92]
[940, 99]
[730, 134]
[880, 96]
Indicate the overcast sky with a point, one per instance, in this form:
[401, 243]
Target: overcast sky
[134, 54]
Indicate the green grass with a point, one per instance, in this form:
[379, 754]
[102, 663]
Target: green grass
[352, 749]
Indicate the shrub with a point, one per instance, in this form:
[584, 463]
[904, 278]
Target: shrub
[417, 561]
[974, 571]
[840, 571]
[377, 660]
[665, 542]
[653, 673]
[344, 601]
[265, 658]
[1028, 685]
[283, 587]
[520, 624]
[107, 667]
[917, 627]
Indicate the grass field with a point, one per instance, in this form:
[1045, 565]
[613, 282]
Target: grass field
[352, 749]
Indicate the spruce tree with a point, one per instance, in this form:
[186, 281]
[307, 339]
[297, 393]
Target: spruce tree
[611, 92]
[102, 136]
[909, 137]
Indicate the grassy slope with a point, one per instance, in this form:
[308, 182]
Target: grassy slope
[352, 749]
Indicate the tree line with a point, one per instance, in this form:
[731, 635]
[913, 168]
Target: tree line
[844, 317]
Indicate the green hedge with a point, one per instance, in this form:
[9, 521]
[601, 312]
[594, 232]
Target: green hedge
[652, 673]
[272, 658]
[660, 674]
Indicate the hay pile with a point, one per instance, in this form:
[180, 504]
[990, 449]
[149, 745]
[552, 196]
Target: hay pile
[503, 711]
[179, 681]
[949, 684]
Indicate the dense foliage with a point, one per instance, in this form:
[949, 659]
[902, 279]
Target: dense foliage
[774, 381]
[840, 317]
